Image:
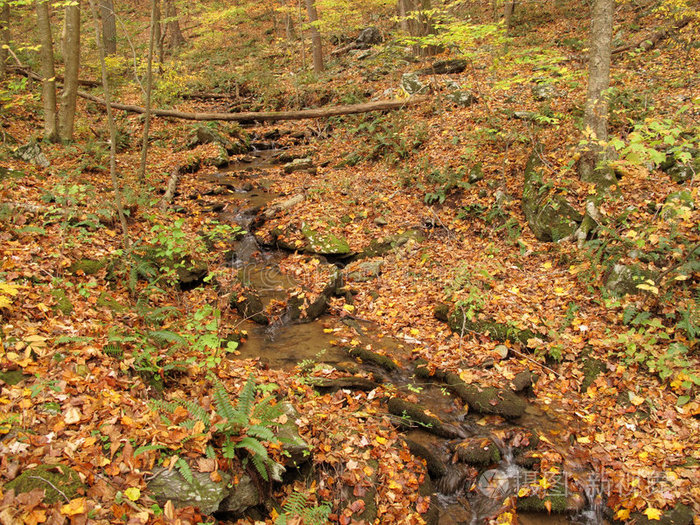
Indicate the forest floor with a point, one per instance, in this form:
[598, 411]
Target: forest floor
[96, 349]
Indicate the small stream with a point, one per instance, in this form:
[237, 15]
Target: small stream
[466, 493]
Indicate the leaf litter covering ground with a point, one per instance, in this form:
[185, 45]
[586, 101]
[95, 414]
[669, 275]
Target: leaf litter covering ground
[85, 410]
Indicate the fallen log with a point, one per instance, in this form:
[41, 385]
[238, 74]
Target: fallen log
[267, 116]
[26, 72]
[650, 43]
[170, 189]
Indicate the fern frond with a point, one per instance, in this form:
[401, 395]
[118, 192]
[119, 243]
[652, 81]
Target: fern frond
[253, 446]
[185, 470]
[247, 397]
[260, 466]
[224, 407]
[267, 409]
[166, 336]
[146, 448]
[261, 433]
[197, 412]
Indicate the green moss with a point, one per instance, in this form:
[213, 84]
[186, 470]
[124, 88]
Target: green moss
[63, 304]
[87, 266]
[12, 377]
[478, 451]
[48, 478]
[321, 244]
[591, 370]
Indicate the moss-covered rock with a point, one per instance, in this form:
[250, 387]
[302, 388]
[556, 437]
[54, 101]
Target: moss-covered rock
[250, 306]
[49, 478]
[382, 247]
[625, 279]
[679, 515]
[323, 243]
[413, 415]
[62, 304]
[205, 494]
[550, 216]
[681, 172]
[478, 451]
[497, 331]
[13, 377]
[591, 370]
[87, 266]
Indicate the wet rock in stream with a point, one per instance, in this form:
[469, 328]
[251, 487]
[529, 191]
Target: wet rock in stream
[412, 415]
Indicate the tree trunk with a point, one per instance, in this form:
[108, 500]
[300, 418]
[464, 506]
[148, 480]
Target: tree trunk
[141, 175]
[48, 71]
[109, 26]
[595, 119]
[508, 11]
[419, 25]
[71, 50]
[112, 129]
[315, 35]
[401, 10]
[159, 36]
[4, 38]
[173, 25]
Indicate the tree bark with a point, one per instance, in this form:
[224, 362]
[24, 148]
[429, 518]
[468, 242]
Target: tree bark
[595, 119]
[112, 129]
[315, 36]
[4, 37]
[159, 36]
[508, 11]
[141, 175]
[71, 50]
[109, 26]
[419, 25]
[173, 25]
[48, 71]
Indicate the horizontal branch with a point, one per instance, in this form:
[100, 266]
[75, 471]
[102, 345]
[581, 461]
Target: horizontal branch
[267, 116]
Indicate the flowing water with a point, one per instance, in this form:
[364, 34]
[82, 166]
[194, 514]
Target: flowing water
[465, 495]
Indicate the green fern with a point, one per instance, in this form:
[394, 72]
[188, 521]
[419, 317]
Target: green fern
[184, 469]
[197, 412]
[297, 505]
[223, 403]
[246, 399]
[166, 336]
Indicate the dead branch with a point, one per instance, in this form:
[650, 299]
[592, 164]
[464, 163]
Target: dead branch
[650, 43]
[25, 72]
[170, 188]
[267, 116]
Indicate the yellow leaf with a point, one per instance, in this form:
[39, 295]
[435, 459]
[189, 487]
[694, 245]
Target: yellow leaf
[415, 331]
[381, 440]
[328, 330]
[652, 513]
[622, 514]
[133, 493]
[548, 505]
[547, 265]
[74, 507]
[584, 439]
[635, 399]
[544, 483]
[4, 301]
[349, 308]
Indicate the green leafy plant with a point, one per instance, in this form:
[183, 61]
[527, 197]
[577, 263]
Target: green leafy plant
[246, 425]
[297, 506]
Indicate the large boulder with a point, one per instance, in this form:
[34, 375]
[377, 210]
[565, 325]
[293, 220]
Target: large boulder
[412, 85]
[369, 36]
[31, 152]
[550, 216]
[203, 493]
[626, 279]
[57, 481]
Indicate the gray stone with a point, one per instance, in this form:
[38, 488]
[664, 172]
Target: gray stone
[365, 271]
[295, 450]
[525, 115]
[205, 494]
[241, 497]
[298, 164]
[31, 152]
[682, 172]
[411, 84]
[550, 216]
[625, 279]
[461, 98]
[368, 37]
[543, 92]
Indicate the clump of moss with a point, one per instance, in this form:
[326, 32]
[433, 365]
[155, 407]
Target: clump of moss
[49, 478]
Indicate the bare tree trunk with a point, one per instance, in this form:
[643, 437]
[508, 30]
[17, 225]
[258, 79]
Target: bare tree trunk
[419, 25]
[109, 26]
[159, 36]
[112, 129]
[595, 119]
[508, 11]
[315, 36]
[149, 84]
[289, 27]
[173, 25]
[71, 54]
[4, 38]
[48, 71]
[401, 10]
